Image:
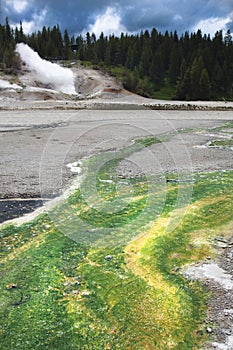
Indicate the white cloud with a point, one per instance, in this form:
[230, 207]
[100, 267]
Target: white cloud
[18, 5]
[108, 23]
[212, 25]
[177, 17]
[35, 24]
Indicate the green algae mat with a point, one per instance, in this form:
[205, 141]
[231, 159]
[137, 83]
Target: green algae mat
[89, 275]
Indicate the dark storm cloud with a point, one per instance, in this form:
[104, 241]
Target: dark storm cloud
[180, 15]
[74, 15]
[136, 15]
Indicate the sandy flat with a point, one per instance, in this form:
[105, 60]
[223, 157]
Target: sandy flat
[36, 145]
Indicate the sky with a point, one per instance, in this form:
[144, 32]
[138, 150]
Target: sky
[114, 17]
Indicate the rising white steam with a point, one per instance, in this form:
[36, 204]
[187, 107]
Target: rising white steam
[61, 79]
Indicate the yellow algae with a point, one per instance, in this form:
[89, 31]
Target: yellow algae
[34, 243]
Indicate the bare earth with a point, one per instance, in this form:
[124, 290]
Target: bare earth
[41, 132]
[51, 139]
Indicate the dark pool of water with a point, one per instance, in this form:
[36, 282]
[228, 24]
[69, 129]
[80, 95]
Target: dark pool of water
[14, 208]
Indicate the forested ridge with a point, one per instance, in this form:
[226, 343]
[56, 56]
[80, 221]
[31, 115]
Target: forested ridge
[187, 67]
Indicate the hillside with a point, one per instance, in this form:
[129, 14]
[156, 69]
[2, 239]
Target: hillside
[167, 66]
[95, 89]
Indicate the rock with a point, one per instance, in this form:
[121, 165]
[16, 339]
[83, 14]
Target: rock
[12, 286]
[209, 330]
[108, 257]
[220, 244]
[221, 240]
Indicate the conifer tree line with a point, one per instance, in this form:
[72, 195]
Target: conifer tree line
[191, 66]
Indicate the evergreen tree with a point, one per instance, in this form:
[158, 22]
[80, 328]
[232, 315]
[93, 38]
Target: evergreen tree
[101, 47]
[110, 53]
[218, 80]
[122, 49]
[8, 33]
[184, 91]
[195, 74]
[67, 46]
[80, 46]
[174, 66]
[56, 39]
[146, 59]
[131, 57]
[228, 38]
[204, 85]
[154, 40]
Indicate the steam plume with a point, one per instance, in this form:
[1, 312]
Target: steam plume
[61, 79]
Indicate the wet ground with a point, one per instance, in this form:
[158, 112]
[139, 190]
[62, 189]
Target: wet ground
[11, 209]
